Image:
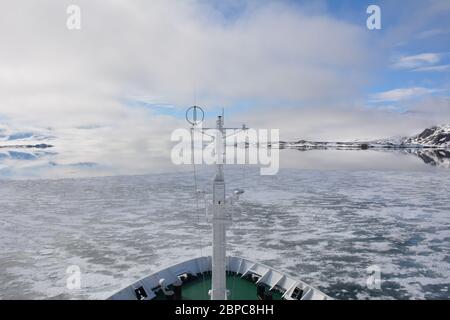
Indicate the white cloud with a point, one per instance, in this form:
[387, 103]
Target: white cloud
[75, 82]
[416, 61]
[162, 52]
[401, 94]
[435, 109]
[169, 49]
[438, 68]
[348, 122]
[431, 33]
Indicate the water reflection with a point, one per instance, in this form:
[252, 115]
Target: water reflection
[430, 156]
[433, 157]
[76, 162]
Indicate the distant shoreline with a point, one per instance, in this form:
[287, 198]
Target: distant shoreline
[27, 146]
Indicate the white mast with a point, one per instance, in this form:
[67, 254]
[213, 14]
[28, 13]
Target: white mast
[220, 220]
[220, 217]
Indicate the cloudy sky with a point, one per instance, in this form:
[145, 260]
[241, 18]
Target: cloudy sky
[121, 83]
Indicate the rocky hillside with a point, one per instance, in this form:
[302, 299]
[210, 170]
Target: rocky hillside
[432, 137]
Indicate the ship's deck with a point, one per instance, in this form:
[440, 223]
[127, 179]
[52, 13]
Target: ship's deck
[240, 289]
[246, 280]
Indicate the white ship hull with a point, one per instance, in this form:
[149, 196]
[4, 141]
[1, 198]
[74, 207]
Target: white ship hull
[287, 287]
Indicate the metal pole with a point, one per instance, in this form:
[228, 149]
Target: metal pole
[220, 219]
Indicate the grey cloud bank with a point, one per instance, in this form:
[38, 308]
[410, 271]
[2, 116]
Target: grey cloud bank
[73, 83]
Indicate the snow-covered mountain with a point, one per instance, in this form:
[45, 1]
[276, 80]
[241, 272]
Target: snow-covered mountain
[8, 134]
[437, 137]
[23, 138]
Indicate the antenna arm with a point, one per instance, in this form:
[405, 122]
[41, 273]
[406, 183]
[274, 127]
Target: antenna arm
[235, 133]
[204, 133]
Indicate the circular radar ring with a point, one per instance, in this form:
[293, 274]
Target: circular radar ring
[195, 115]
